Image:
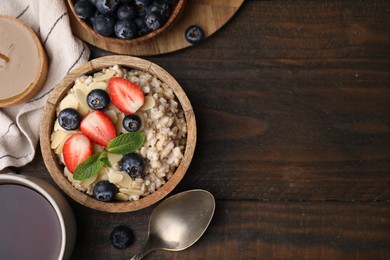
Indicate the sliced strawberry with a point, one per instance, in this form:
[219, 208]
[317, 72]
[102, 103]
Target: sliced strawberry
[125, 95]
[98, 127]
[77, 148]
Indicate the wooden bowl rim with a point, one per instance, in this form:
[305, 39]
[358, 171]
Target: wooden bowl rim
[52, 164]
[112, 40]
[37, 84]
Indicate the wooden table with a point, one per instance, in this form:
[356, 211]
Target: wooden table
[292, 101]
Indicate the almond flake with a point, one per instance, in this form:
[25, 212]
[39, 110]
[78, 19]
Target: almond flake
[126, 181]
[121, 197]
[149, 102]
[104, 77]
[118, 124]
[112, 115]
[131, 192]
[58, 137]
[69, 101]
[57, 126]
[89, 181]
[97, 85]
[115, 177]
[82, 99]
[114, 158]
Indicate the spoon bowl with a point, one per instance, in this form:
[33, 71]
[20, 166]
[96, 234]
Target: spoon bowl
[179, 221]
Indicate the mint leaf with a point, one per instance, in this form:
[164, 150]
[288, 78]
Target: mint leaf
[104, 159]
[89, 167]
[126, 143]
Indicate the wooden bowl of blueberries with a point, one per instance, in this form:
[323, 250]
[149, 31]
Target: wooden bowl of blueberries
[119, 25]
[118, 134]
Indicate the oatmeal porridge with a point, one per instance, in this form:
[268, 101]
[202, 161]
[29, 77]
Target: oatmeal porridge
[101, 111]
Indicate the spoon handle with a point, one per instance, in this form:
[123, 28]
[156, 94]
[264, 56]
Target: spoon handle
[139, 256]
[146, 250]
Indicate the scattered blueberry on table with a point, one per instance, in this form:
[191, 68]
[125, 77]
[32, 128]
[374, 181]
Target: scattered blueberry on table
[194, 34]
[121, 237]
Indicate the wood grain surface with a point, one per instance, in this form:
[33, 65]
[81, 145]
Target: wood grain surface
[291, 99]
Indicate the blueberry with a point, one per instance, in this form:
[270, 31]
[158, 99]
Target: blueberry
[127, 12]
[133, 164]
[154, 21]
[125, 29]
[84, 9]
[107, 6]
[93, 2]
[142, 7]
[194, 34]
[142, 29]
[121, 237]
[69, 119]
[163, 9]
[90, 20]
[104, 191]
[144, 2]
[160, 3]
[131, 123]
[104, 24]
[98, 99]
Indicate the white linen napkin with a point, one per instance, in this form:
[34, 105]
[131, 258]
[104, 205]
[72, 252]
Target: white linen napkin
[19, 125]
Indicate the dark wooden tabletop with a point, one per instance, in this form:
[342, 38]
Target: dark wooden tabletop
[292, 102]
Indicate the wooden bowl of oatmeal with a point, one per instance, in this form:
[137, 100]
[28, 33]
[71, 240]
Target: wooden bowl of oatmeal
[93, 160]
[86, 30]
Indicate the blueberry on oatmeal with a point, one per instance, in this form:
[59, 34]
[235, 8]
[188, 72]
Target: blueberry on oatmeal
[98, 99]
[133, 164]
[104, 191]
[131, 123]
[69, 119]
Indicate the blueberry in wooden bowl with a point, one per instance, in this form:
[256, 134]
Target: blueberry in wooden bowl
[117, 25]
[123, 153]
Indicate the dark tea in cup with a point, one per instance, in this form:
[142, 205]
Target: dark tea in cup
[29, 226]
[33, 222]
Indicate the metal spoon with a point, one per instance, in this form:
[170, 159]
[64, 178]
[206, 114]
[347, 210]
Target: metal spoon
[179, 221]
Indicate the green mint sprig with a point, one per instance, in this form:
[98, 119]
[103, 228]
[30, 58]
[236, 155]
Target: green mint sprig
[126, 143]
[122, 144]
[89, 167]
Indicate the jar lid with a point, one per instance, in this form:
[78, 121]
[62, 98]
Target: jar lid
[23, 62]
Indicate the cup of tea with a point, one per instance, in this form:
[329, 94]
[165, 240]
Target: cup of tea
[36, 221]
